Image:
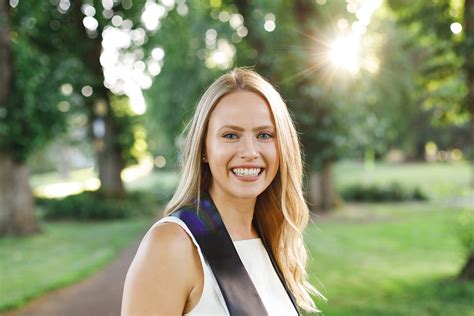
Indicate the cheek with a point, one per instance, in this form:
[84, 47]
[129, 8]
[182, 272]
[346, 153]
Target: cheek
[218, 155]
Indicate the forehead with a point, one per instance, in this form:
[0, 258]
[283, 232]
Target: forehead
[241, 108]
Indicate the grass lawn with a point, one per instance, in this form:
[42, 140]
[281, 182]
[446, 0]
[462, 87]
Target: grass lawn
[438, 180]
[372, 259]
[64, 253]
[163, 182]
[389, 259]
[37, 180]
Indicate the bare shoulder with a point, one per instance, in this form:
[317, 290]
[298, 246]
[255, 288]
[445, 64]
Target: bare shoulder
[162, 273]
[168, 235]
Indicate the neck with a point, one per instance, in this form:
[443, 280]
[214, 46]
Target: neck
[236, 213]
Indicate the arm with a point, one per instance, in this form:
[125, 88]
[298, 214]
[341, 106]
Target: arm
[161, 275]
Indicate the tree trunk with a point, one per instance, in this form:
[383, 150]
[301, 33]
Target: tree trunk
[109, 153]
[321, 188]
[110, 169]
[321, 191]
[313, 191]
[16, 199]
[328, 197]
[17, 214]
[467, 272]
[110, 160]
[108, 150]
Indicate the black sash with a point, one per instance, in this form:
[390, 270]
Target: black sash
[208, 229]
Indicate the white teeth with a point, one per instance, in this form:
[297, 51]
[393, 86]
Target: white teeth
[246, 172]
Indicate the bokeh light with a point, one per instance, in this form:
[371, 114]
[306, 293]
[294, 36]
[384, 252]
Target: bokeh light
[87, 91]
[269, 24]
[456, 28]
[160, 161]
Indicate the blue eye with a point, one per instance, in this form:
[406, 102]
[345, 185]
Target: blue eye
[230, 136]
[265, 135]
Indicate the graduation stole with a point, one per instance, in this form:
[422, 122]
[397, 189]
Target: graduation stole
[240, 295]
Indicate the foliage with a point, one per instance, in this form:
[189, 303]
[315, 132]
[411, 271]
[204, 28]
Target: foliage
[85, 45]
[380, 106]
[91, 205]
[184, 75]
[321, 118]
[436, 52]
[292, 58]
[376, 193]
[52, 50]
[31, 117]
[128, 127]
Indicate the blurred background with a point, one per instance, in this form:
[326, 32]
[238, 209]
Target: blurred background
[94, 95]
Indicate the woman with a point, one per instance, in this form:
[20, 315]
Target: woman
[241, 178]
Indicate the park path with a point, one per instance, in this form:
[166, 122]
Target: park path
[99, 295]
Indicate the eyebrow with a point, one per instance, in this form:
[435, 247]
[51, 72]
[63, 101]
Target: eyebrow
[240, 129]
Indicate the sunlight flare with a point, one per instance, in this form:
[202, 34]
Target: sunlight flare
[344, 53]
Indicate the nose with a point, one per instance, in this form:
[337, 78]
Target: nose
[248, 150]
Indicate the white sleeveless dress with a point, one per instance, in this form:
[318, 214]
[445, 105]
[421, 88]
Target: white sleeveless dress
[254, 256]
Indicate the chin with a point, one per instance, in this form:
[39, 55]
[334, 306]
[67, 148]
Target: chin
[246, 193]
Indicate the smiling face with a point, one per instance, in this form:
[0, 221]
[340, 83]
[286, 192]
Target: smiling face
[241, 147]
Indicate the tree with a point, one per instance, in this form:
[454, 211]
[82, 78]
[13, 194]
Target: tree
[467, 272]
[47, 50]
[330, 105]
[110, 160]
[30, 78]
[270, 59]
[445, 49]
[292, 57]
[436, 51]
[76, 29]
[110, 126]
[16, 214]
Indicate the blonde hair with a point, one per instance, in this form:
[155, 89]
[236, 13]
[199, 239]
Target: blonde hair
[280, 210]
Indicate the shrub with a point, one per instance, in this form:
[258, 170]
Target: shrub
[380, 193]
[90, 205]
[465, 231]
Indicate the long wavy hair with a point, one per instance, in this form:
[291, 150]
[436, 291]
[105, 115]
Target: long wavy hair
[280, 210]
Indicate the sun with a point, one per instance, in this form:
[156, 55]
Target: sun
[344, 53]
